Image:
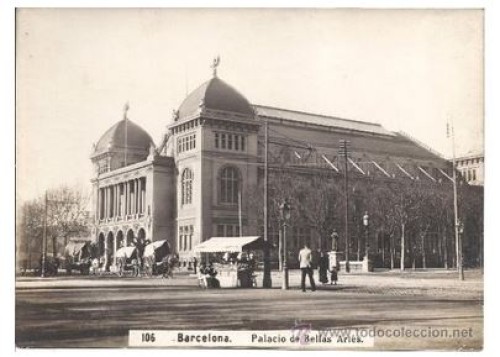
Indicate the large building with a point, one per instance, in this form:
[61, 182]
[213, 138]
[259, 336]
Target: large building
[198, 182]
[471, 167]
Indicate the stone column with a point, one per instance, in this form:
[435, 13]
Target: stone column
[144, 195]
[109, 201]
[114, 249]
[122, 208]
[105, 202]
[117, 196]
[129, 191]
[100, 204]
[127, 197]
[108, 189]
[120, 212]
[103, 209]
[113, 201]
[139, 195]
[106, 252]
[132, 197]
[135, 196]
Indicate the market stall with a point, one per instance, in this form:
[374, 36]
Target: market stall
[229, 261]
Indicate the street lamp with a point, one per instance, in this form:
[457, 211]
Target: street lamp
[285, 209]
[366, 224]
[460, 264]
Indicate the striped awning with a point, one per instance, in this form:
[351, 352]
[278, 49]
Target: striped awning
[229, 244]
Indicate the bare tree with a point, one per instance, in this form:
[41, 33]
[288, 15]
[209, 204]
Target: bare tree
[67, 215]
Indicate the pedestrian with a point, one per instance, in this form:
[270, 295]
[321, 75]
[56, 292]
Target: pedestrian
[323, 268]
[195, 264]
[333, 276]
[305, 257]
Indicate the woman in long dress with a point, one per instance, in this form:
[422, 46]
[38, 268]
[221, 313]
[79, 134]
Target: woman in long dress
[323, 268]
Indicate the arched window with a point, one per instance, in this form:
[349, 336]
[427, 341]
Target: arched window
[187, 187]
[229, 185]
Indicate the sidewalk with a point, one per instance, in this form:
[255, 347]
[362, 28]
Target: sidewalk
[435, 283]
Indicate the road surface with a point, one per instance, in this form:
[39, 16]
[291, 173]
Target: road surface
[99, 311]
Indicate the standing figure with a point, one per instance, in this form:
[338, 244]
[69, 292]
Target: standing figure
[195, 264]
[323, 268]
[305, 257]
[334, 276]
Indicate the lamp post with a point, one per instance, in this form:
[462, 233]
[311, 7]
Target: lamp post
[460, 258]
[366, 224]
[285, 217]
[344, 152]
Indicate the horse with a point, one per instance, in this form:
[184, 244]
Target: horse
[167, 264]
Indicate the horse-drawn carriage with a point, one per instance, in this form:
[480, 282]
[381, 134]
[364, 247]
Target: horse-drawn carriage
[127, 258]
[158, 259]
[78, 256]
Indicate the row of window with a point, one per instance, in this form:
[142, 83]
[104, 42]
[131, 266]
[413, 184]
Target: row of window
[468, 161]
[187, 187]
[185, 238]
[222, 141]
[229, 142]
[229, 186]
[469, 175]
[186, 143]
[228, 230]
[104, 165]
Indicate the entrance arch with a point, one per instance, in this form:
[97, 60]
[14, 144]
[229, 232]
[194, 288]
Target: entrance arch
[141, 235]
[110, 250]
[119, 240]
[130, 237]
[101, 245]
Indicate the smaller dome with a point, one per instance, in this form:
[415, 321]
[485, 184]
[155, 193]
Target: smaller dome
[114, 138]
[215, 94]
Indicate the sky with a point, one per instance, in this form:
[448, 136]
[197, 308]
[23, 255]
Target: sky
[409, 70]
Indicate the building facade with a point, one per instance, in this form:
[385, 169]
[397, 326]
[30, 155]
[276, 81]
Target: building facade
[199, 182]
[471, 168]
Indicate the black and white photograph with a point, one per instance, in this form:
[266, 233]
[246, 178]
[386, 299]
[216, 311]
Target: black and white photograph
[250, 178]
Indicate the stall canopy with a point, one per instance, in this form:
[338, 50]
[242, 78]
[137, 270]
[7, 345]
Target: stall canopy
[230, 244]
[125, 252]
[156, 245]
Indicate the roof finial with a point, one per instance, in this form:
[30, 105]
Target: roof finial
[126, 107]
[215, 64]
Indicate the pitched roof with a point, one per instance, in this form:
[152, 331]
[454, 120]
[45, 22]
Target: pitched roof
[323, 120]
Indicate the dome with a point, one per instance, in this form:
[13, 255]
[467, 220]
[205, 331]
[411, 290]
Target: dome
[217, 95]
[114, 138]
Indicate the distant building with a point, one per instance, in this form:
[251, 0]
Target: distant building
[472, 168]
[193, 184]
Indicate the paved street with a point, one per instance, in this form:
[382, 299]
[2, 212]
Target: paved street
[99, 311]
